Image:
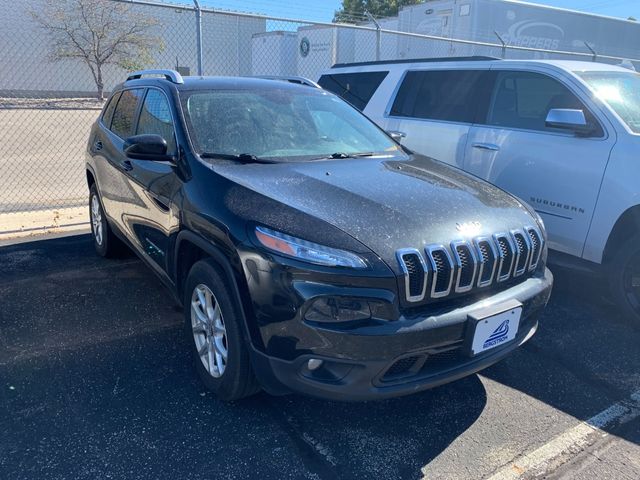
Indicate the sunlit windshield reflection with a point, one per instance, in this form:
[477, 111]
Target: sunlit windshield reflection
[621, 90]
[280, 124]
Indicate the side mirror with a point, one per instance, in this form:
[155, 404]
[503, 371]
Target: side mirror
[396, 136]
[147, 147]
[569, 119]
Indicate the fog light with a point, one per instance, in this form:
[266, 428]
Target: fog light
[338, 309]
[314, 364]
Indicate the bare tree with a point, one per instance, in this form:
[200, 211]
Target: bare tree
[98, 33]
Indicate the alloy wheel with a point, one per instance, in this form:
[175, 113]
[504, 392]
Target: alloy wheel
[209, 333]
[96, 219]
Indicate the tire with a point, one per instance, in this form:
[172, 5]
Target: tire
[624, 273]
[223, 364]
[105, 242]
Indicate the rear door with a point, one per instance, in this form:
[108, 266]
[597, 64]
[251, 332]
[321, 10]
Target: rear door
[555, 171]
[435, 110]
[110, 161]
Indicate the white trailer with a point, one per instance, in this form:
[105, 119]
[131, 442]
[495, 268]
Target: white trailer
[274, 53]
[518, 24]
[365, 41]
[321, 46]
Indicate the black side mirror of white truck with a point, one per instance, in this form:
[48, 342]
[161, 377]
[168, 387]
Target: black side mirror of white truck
[569, 119]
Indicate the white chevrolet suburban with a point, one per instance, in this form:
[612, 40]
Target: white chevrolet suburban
[563, 136]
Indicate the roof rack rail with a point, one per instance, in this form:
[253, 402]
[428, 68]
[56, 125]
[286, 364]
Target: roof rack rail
[476, 58]
[291, 79]
[170, 75]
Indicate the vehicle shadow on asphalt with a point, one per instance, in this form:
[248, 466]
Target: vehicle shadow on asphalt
[96, 378]
[584, 356]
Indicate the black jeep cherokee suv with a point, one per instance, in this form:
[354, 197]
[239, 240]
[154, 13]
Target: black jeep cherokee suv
[311, 252]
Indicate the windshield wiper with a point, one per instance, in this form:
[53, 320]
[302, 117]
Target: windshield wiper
[242, 157]
[349, 155]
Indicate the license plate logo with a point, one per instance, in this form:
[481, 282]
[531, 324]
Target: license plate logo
[496, 330]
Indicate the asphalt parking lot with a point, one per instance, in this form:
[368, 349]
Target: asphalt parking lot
[96, 382]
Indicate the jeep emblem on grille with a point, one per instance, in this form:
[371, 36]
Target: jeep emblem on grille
[468, 227]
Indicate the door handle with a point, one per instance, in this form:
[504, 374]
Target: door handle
[126, 165]
[97, 146]
[486, 146]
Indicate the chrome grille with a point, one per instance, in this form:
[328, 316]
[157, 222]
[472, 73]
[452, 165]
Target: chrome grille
[465, 265]
[415, 273]
[443, 270]
[536, 247]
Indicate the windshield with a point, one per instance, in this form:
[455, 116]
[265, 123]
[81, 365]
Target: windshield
[287, 124]
[621, 90]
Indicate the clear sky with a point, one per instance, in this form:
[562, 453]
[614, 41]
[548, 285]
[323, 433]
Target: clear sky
[322, 10]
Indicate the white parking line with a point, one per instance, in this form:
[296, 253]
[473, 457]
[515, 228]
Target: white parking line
[558, 450]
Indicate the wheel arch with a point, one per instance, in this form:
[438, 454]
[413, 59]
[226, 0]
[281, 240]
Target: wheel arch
[91, 178]
[190, 248]
[627, 225]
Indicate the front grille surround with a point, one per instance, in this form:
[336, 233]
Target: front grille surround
[442, 270]
[403, 256]
[537, 243]
[506, 256]
[467, 264]
[522, 247]
[484, 244]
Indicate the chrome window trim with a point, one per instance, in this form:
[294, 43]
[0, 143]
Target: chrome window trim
[429, 249]
[458, 262]
[407, 291]
[477, 241]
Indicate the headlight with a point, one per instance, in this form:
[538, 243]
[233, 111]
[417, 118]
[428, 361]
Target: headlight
[307, 251]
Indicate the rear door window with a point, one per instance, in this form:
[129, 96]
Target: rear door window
[522, 100]
[355, 88]
[124, 115]
[445, 95]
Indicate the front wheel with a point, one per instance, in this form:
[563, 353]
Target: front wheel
[105, 242]
[624, 277]
[214, 328]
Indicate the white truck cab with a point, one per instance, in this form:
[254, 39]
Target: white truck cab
[563, 136]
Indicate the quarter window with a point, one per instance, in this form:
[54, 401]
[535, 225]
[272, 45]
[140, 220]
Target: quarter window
[448, 95]
[523, 100]
[108, 112]
[123, 117]
[155, 118]
[355, 88]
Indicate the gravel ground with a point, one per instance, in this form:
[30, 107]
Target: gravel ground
[96, 382]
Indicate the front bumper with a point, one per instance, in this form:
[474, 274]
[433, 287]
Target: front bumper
[401, 357]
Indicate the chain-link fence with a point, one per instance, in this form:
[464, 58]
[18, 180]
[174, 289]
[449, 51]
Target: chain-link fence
[47, 104]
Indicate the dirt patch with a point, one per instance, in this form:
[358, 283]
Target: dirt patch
[51, 103]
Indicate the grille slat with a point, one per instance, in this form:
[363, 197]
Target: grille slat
[464, 265]
[536, 247]
[487, 258]
[442, 271]
[415, 274]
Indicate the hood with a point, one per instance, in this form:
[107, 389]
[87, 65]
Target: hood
[387, 204]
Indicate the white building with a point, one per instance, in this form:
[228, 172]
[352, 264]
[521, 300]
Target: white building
[26, 68]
